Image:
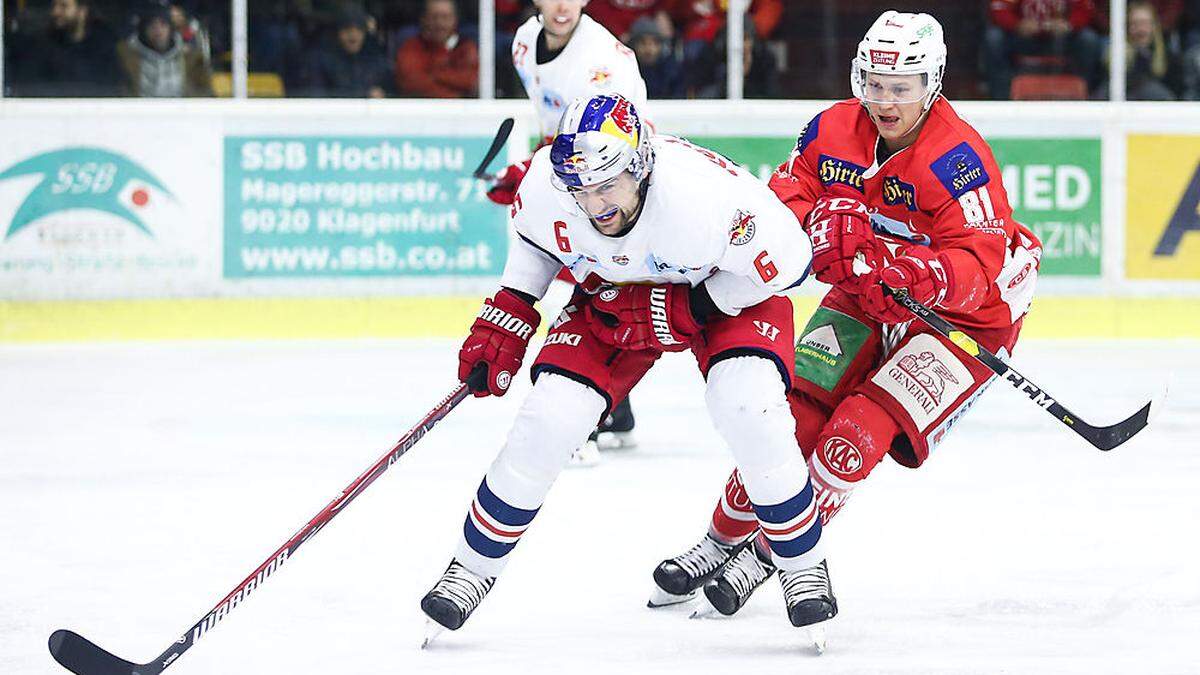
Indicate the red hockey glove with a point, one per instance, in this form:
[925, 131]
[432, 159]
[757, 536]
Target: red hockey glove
[643, 317]
[504, 190]
[840, 229]
[497, 342]
[919, 271]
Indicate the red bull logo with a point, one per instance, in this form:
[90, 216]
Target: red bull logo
[622, 122]
[576, 163]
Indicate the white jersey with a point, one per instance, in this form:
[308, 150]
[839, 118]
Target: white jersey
[593, 62]
[705, 219]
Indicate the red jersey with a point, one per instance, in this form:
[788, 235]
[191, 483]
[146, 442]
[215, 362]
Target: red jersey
[944, 191]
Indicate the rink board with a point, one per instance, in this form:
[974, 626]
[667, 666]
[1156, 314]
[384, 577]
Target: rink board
[329, 219]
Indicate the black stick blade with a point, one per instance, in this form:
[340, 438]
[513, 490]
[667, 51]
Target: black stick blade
[82, 657]
[498, 142]
[1107, 438]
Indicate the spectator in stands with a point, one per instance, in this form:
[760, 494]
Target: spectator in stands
[1152, 69]
[618, 16]
[1054, 29]
[349, 68]
[661, 71]
[190, 31]
[1191, 54]
[158, 63]
[437, 62]
[760, 70]
[703, 19]
[77, 56]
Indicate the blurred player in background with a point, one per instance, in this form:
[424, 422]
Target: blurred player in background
[674, 248]
[891, 186]
[562, 55]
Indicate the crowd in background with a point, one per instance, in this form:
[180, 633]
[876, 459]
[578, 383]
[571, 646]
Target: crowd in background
[429, 48]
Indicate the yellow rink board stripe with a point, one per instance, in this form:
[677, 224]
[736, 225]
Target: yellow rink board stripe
[440, 316]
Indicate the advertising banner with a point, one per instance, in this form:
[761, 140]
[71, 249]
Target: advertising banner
[1052, 184]
[354, 206]
[1162, 235]
[99, 216]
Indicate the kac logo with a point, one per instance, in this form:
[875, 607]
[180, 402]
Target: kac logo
[83, 178]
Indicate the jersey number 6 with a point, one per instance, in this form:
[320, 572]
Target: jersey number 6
[766, 268]
[560, 236]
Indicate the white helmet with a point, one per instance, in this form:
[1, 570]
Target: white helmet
[597, 139]
[901, 44]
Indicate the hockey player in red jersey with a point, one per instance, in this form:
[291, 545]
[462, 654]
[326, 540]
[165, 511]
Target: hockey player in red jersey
[893, 187]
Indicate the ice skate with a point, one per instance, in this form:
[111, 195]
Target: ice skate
[679, 579]
[452, 599]
[736, 580]
[810, 601]
[585, 455]
[616, 429]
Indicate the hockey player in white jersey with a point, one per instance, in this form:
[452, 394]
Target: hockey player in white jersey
[680, 249]
[561, 55]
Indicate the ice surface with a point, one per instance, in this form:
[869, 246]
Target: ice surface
[140, 482]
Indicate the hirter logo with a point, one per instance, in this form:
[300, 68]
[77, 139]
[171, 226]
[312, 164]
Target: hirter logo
[883, 58]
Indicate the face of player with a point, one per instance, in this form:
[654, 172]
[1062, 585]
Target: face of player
[611, 205]
[896, 104]
[560, 17]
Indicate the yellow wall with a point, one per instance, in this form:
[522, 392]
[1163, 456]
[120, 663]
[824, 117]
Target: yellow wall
[1163, 186]
[1052, 317]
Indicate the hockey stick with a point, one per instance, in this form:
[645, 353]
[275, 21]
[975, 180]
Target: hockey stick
[1106, 438]
[498, 142]
[81, 656]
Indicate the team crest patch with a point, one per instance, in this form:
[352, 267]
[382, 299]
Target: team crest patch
[960, 170]
[828, 344]
[742, 229]
[834, 170]
[621, 259]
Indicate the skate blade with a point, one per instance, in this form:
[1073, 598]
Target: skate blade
[587, 455]
[432, 630]
[705, 610]
[816, 637]
[615, 440]
[661, 598]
